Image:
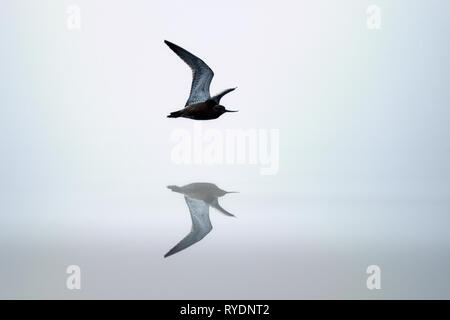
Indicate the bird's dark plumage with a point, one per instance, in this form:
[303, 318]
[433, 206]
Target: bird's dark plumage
[207, 110]
[200, 105]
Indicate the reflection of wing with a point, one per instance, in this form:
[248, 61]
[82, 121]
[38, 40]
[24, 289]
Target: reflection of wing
[201, 225]
[201, 74]
[215, 204]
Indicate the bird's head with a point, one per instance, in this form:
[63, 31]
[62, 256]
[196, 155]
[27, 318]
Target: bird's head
[221, 109]
[174, 188]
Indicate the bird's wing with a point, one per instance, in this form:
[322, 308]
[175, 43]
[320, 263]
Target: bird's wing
[215, 204]
[201, 74]
[219, 96]
[201, 225]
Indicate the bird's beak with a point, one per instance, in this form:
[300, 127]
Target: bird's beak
[231, 110]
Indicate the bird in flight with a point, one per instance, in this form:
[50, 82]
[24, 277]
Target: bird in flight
[200, 105]
[199, 197]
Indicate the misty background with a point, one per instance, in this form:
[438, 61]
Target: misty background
[364, 149]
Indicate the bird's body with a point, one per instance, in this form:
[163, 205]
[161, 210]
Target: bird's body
[199, 197]
[207, 110]
[200, 105]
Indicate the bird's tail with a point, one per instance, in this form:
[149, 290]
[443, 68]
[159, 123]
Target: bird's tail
[175, 114]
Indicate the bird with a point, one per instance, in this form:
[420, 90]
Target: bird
[200, 105]
[199, 197]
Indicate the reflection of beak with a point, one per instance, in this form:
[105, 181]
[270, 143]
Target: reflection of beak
[231, 110]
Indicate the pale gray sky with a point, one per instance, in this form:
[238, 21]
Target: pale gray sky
[364, 149]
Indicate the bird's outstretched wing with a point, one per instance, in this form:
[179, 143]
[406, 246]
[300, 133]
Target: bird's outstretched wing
[201, 74]
[201, 225]
[215, 204]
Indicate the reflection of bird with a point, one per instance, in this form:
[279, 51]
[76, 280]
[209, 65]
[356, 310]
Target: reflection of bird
[200, 105]
[199, 197]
